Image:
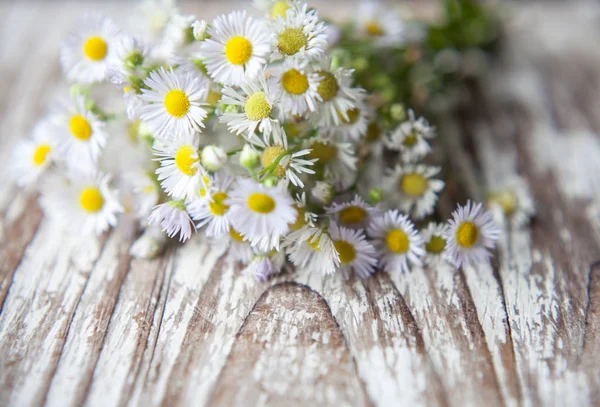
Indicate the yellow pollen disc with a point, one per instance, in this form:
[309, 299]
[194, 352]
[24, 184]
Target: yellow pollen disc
[235, 235]
[374, 29]
[294, 82]
[261, 203]
[238, 50]
[314, 243]
[40, 154]
[410, 140]
[213, 97]
[185, 160]
[279, 9]
[91, 200]
[269, 155]
[413, 184]
[328, 87]
[291, 40]
[345, 250]
[352, 215]
[323, 152]
[436, 245]
[217, 207]
[80, 127]
[299, 219]
[257, 107]
[507, 200]
[176, 103]
[373, 132]
[148, 189]
[397, 241]
[95, 48]
[467, 234]
[352, 116]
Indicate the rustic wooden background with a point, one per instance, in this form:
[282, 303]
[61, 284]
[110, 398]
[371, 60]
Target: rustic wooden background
[83, 323]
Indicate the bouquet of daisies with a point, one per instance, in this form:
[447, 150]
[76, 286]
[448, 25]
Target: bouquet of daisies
[250, 131]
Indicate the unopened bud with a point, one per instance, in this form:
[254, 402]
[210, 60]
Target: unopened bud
[213, 158]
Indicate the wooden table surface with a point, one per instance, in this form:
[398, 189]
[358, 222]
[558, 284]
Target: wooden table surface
[83, 323]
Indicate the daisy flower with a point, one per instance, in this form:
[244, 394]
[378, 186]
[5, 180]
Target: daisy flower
[355, 125]
[180, 172]
[237, 48]
[33, 157]
[87, 204]
[413, 188]
[257, 99]
[152, 17]
[513, 200]
[212, 211]
[298, 87]
[336, 94]
[354, 251]
[410, 138]
[262, 215]
[299, 33]
[174, 219]
[354, 214]
[173, 103]
[178, 32]
[434, 239]
[129, 54]
[305, 217]
[290, 164]
[238, 250]
[384, 26]
[471, 235]
[81, 134]
[397, 241]
[336, 158]
[86, 53]
[274, 8]
[311, 248]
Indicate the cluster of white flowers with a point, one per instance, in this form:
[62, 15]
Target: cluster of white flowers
[244, 129]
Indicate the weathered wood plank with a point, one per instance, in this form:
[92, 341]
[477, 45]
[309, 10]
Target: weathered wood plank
[290, 333]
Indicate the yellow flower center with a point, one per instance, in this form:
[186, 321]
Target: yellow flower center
[95, 48]
[397, 241]
[323, 152]
[294, 82]
[238, 50]
[279, 9]
[413, 184]
[186, 159]
[373, 131]
[291, 40]
[235, 235]
[328, 87]
[436, 245]
[261, 203]
[205, 181]
[257, 107]
[213, 97]
[80, 127]
[506, 199]
[374, 29]
[467, 234]
[352, 116]
[40, 154]
[217, 207]
[346, 251]
[352, 215]
[314, 243]
[299, 219]
[410, 140]
[91, 200]
[176, 103]
[269, 156]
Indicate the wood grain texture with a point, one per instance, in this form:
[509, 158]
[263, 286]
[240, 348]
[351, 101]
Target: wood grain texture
[81, 323]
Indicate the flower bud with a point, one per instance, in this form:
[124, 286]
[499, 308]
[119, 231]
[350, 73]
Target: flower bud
[323, 192]
[213, 158]
[375, 195]
[200, 30]
[249, 157]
